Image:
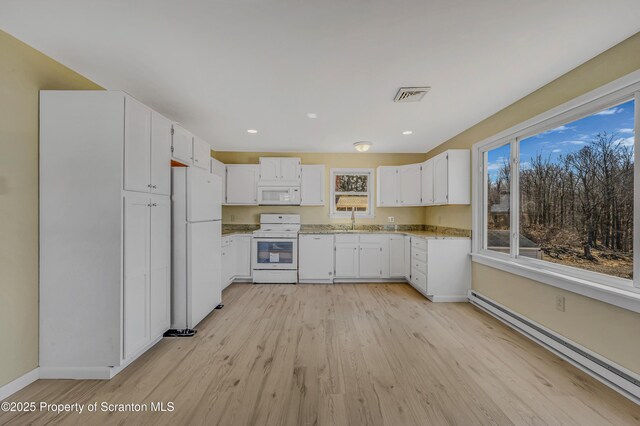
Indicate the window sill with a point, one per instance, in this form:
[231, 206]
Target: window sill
[624, 298]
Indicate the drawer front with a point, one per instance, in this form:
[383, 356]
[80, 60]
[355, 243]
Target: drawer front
[316, 237]
[419, 243]
[417, 254]
[419, 266]
[375, 238]
[418, 279]
[341, 238]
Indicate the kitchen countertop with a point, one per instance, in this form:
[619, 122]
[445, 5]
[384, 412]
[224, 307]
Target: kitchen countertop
[437, 233]
[228, 233]
[421, 234]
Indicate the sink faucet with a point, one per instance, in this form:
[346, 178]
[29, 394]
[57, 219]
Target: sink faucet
[353, 219]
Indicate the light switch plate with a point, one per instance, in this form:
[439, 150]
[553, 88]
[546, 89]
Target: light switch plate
[391, 219]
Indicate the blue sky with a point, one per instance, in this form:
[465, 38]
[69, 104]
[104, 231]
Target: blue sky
[570, 137]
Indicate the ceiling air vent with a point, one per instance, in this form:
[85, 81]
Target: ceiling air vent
[411, 94]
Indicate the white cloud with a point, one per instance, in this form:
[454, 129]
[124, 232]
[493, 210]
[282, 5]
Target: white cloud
[560, 129]
[626, 141]
[625, 130]
[572, 143]
[610, 111]
[557, 150]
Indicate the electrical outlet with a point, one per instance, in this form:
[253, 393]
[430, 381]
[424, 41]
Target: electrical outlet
[560, 303]
[391, 219]
[233, 218]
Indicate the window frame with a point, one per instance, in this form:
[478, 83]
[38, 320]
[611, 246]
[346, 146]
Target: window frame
[352, 171]
[618, 291]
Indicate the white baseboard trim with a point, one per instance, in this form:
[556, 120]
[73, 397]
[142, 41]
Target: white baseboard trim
[93, 373]
[76, 373]
[19, 383]
[368, 280]
[437, 299]
[620, 379]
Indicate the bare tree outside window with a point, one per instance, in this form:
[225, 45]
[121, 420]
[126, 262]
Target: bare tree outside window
[576, 193]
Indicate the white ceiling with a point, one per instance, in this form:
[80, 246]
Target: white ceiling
[222, 67]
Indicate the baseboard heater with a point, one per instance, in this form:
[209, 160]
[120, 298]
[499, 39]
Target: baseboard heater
[616, 377]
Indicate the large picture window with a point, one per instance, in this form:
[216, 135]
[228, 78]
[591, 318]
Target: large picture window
[558, 196]
[576, 192]
[351, 191]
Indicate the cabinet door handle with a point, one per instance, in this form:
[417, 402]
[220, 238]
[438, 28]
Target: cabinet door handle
[154, 187]
[155, 205]
[149, 186]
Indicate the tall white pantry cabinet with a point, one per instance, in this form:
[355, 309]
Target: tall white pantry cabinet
[105, 232]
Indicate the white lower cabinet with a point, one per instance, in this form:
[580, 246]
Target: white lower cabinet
[346, 256]
[315, 258]
[160, 266]
[241, 247]
[236, 258]
[362, 256]
[137, 216]
[407, 257]
[370, 260]
[226, 254]
[396, 256]
[441, 268]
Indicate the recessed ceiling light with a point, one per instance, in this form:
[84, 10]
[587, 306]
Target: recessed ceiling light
[312, 115]
[407, 132]
[362, 146]
[252, 131]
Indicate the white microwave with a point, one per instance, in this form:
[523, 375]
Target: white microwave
[279, 195]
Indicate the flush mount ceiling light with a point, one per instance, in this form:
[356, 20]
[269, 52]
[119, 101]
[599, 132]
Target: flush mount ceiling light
[312, 115]
[362, 146]
[407, 132]
[252, 131]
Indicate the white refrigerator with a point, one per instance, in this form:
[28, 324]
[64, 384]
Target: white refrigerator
[196, 287]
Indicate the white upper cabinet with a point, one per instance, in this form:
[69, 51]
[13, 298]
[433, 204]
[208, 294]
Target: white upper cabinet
[242, 184]
[182, 145]
[440, 179]
[269, 169]
[426, 187]
[452, 177]
[409, 178]
[201, 153]
[218, 168]
[312, 185]
[137, 146]
[387, 186]
[290, 170]
[443, 179]
[279, 171]
[160, 154]
[147, 149]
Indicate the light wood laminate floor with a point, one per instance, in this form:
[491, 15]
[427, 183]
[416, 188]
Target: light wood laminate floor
[344, 354]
